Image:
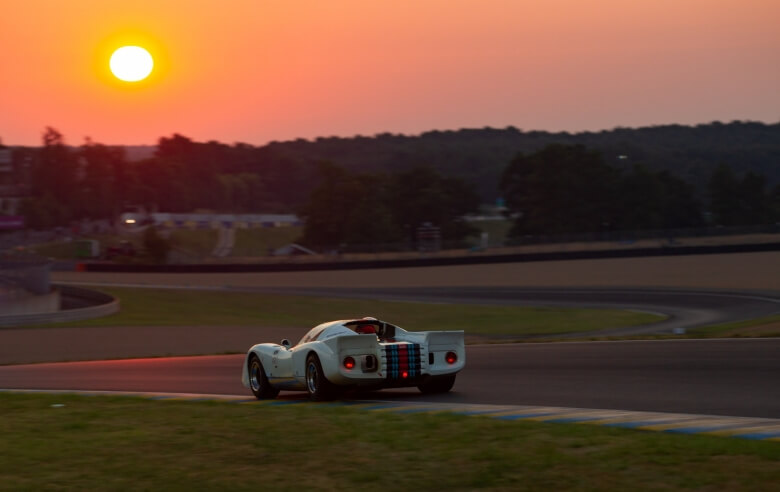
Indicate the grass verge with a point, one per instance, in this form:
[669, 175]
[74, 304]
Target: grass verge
[258, 242]
[764, 327]
[768, 326]
[167, 307]
[121, 443]
[199, 242]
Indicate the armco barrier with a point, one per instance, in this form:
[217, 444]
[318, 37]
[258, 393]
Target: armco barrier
[78, 304]
[473, 259]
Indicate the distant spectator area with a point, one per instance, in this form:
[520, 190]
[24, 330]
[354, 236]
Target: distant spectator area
[209, 221]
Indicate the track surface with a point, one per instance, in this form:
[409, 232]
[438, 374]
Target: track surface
[729, 377]
[715, 377]
[685, 309]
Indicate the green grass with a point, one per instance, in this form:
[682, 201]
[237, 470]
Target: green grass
[196, 242]
[121, 443]
[257, 242]
[166, 307]
[58, 250]
[200, 242]
[768, 326]
[497, 230]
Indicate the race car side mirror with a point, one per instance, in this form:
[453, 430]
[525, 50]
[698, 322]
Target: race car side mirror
[285, 343]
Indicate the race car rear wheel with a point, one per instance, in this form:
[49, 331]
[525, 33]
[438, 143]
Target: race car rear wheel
[258, 381]
[316, 383]
[438, 384]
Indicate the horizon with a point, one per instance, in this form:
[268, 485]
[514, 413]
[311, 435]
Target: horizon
[256, 73]
[404, 135]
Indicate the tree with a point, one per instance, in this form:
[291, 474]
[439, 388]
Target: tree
[41, 212]
[370, 220]
[655, 200]
[241, 192]
[735, 201]
[679, 205]
[776, 204]
[422, 195]
[373, 209]
[724, 196]
[156, 246]
[756, 202]
[347, 209]
[106, 181]
[560, 189]
[55, 171]
[53, 183]
[176, 175]
[641, 198]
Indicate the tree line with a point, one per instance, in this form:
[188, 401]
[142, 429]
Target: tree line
[348, 209]
[560, 187]
[479, 155]
[572, 189]
[96, 181]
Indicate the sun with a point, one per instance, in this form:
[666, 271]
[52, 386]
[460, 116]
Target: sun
[131, 63]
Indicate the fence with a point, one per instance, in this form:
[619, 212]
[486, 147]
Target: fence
[584, 241]
[638, 235]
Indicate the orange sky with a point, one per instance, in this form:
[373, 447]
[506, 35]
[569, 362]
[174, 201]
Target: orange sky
[255, 71]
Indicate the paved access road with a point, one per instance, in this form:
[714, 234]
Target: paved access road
[716, 377]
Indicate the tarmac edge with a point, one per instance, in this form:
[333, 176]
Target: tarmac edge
[764, 429]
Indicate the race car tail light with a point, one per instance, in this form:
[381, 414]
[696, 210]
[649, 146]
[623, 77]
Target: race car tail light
[349, 362]
[404, 375]
[451, 358]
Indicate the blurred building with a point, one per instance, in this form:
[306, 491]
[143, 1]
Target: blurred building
[208, 221]
[13, 188]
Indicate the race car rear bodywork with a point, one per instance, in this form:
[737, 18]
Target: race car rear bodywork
[364, 353]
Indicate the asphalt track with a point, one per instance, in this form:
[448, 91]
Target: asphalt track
[738, 377]
[715, 377]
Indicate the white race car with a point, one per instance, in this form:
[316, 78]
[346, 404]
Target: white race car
[360, 353]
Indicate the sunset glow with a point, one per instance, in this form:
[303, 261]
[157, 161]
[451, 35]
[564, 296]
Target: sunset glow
[259, 71]
[131, 63]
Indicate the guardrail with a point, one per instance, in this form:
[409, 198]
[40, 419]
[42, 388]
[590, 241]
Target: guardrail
[476, 258]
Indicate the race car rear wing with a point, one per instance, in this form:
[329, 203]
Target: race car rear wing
[441, 340]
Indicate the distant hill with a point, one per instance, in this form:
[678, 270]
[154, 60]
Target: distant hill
[480, 155]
